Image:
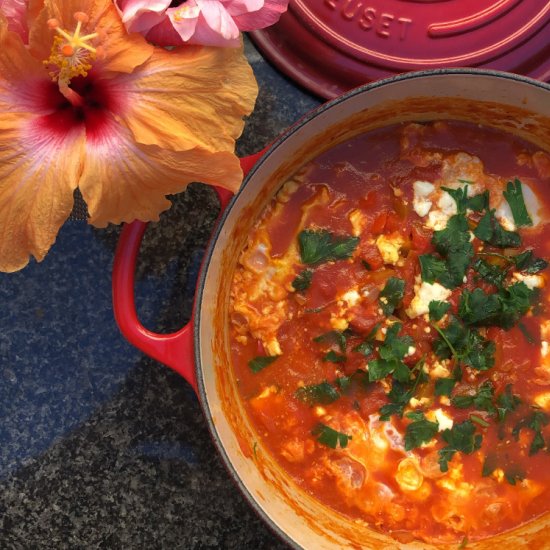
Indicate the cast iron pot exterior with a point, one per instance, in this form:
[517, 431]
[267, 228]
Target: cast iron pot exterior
[501, 100]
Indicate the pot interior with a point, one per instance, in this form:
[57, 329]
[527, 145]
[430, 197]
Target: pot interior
[499, 100]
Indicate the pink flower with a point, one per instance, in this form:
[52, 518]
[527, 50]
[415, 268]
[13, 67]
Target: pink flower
[205, 22]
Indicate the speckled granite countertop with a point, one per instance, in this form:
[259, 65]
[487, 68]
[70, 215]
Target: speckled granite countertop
[102, 447]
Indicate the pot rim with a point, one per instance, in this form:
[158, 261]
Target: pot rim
[219, 229]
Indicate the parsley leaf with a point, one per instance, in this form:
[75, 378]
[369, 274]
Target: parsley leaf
[431, 267]
[334, 357]
[438, 309]
[453, 243]
[490, 273]
[329, 437]
[460, 438]
[322, 394]
[527, 263]
[444, 386]
[534, 422]
[460, 196]
[479, 202]
[400, 394]
[259, 363]
[506, 403]
[419, 431]
[481, 401]
[514, 473]
[391, 295]
[392, 352]
[303, 280]
[514, 196]
[466, 345]
[490, 231]
[359, 377]
[333, 337]
[317, 246]
[366, 347]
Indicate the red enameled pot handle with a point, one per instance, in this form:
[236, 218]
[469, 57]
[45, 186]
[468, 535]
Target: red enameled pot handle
[174, 350]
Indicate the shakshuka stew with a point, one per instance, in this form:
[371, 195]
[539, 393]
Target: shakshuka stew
[390, 322]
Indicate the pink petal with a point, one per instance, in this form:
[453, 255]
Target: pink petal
[141, 15]
[266, 16]
[240, 7]
[164, 34]
[218, 19]
[184, 19]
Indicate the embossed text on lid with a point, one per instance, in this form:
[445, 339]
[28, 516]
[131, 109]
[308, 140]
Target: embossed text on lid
[332, 45]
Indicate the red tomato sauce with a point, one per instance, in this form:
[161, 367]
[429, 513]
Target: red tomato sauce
[364, 189]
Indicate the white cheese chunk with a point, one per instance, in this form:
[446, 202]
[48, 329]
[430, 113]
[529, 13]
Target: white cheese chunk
[445, 422]
[532, 281]
[504, 215]
[389, 247]
[542, 400]
[421, 202]
[424, 294]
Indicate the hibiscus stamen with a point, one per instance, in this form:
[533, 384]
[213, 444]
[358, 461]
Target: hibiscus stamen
[71, 55]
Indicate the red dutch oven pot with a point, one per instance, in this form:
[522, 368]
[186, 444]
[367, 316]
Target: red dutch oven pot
[200, 350]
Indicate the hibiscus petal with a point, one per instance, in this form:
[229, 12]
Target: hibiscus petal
[38, 174]
[164, 34]
[268, 15]
[130, 10]
[186, 98]
[123, 52]
[124, 180]
[16, 14]
[22, 78]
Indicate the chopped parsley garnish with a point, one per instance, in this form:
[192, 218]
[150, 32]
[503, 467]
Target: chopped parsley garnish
[318, 246]
[419, 430]
[303, 280]
[460, 438]
[333, 337]
[333, 357]
[506, 403]
[259, 363]
[329, 437]
[431, 268]
[535, 422]
[392, 352]
[466, 345]
[527, 263]
[453, 243]
[437, 309]
[366, 347]
[463, 202]
[490, 273]
[503, 309]
[481, 401]
[391, 295]
[317, 394]
[490, 231]
[359, 377]
[512, 472]
[514, 196]
[444, 386]
[400, 394]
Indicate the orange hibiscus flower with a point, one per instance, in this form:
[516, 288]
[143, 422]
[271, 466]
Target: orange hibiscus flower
[85, 104]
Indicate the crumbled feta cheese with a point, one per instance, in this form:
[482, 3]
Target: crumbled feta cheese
[544, 348]
[445, 422]
[542, 400]
[273, 347]
[352, 297]
[532, 281]
[389, 247]
[503, 214]
[338, 323]
[439, 370]
[415, 403]
[424, 294]
[411, 351]
[358, 222]
[421, 203]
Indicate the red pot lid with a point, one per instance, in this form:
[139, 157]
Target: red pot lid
[330, 46]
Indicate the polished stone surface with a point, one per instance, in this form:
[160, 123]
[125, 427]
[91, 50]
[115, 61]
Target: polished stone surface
[102, 447]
